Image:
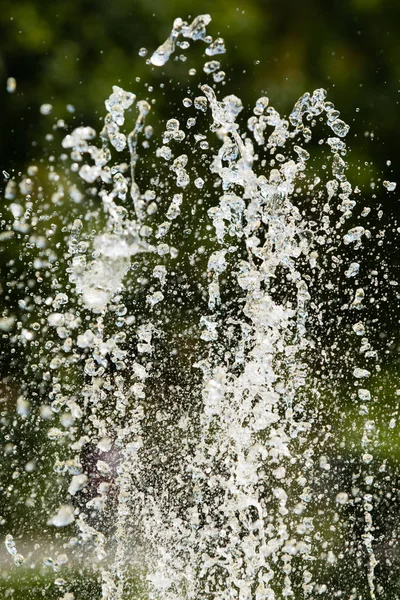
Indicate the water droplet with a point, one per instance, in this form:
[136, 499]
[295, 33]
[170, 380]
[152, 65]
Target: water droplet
[216, 47]
[63, 517]
[353, 270]
[339, 127]
[342, 498]
[390, 185]
[46, 109]
[361, 373]
[11, 85]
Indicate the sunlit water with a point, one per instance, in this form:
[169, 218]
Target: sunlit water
[174, 317]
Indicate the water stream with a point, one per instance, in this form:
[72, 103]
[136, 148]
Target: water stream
[190, 313]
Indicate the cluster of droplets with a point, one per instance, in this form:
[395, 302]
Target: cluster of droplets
[195, 31]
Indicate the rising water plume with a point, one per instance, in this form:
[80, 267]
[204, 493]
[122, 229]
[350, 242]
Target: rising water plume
[175, 308]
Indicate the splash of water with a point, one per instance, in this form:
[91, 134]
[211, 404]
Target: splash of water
[185, 432]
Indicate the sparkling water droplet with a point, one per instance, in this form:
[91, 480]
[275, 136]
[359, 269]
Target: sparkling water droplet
[359, 328]
[390, 185]
[11, 85]
[339, 127]
[342, 498]
[353, 270]
[163, 53]
[211, 66]
[10, 545]
[46, 109]
[199, 182]
[218, 77]
[217, 47]
[364, 395]
[361, 373]
[18, 560]
[63, 517]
